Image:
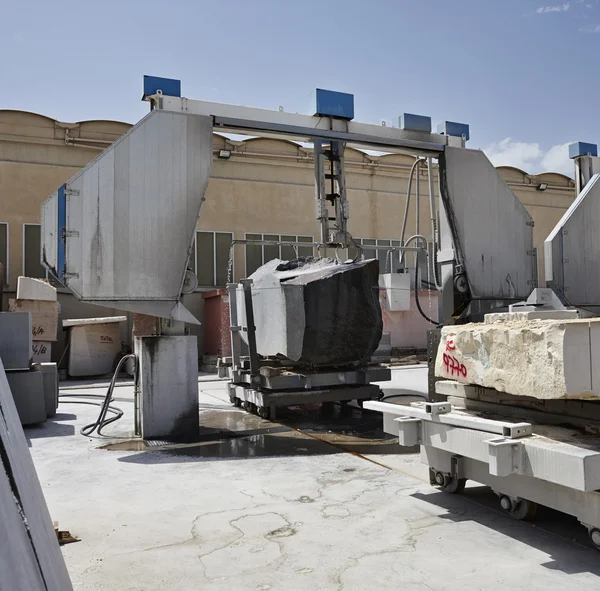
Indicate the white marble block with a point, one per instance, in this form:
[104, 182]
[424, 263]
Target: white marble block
[544, 359]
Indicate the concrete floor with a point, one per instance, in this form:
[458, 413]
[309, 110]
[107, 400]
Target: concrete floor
[314, 501]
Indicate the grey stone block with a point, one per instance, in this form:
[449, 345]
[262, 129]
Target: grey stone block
[15, 340]
[27, 388]
[316, 311]
[168, 380]
[50, 380]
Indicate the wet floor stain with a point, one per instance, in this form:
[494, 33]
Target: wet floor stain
[306, 430]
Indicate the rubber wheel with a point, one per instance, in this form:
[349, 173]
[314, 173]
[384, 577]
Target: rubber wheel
[236, 402]
[453, 485]
[264, 412]
[524, 510]
[247, 406]
[594, 534]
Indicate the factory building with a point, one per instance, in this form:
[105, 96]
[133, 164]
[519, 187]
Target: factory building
[260, 189]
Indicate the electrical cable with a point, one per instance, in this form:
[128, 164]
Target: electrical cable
[417, 298]
[105, 407]
[408, 191]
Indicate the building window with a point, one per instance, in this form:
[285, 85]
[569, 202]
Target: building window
[259, 254]
[211, 254]
[389, 262]
[4, 250]
[32, 248]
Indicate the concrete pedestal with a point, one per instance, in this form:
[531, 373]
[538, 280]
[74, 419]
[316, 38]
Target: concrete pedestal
[168, 383]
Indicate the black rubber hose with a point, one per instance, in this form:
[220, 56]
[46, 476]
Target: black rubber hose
[417, 297]
[105, 407]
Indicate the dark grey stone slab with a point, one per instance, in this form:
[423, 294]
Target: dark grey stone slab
[50, 379]
[15, 340]
[27, 388]
[30, 558]
[317, 312]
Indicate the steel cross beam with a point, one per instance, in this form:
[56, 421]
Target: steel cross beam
[267, 123]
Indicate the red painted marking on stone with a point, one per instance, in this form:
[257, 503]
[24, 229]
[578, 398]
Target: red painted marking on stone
[453, 366]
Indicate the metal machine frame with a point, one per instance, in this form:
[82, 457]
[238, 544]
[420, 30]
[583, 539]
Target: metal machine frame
[522, 467]
[262, 386]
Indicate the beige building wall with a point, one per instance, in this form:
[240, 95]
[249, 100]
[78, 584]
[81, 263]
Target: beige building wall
[265, 187]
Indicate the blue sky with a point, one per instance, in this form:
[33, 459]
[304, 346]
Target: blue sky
[520, 72]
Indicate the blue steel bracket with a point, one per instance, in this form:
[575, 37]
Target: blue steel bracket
[168, 86]
[582, 149]
[415, 122]
[339, 105]
[454, 129]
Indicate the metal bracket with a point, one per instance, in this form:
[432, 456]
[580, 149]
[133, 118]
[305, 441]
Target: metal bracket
[409, 431]
[504, 458]
[74, 192]
[438, 408]
[69, 275]
[70, 233]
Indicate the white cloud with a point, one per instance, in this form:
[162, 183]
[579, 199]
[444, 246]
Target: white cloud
[590, 29]
[558, 8]
[530, 157]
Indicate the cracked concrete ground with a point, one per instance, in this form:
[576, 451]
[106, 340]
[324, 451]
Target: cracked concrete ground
[310, 502]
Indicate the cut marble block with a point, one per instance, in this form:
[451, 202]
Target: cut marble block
[29, 288]
[544, 359]
[316, 311]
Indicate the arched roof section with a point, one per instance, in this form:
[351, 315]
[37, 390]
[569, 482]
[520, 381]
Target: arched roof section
[102, 129]
[395, 159]
[555, 178]
[264, 145]
[26, 123]
[512, 173]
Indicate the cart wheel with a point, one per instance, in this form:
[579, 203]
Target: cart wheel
[236, 402]
[594, 533]
[253, 408]
[264, 412]
[523, 510]
[449, 484]
[247, 406]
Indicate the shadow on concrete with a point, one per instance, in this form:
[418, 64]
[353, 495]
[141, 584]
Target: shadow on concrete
[560, 536]
[52, 427]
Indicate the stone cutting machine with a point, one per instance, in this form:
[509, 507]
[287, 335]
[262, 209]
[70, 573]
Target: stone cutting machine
[119, 234]
[514, 398]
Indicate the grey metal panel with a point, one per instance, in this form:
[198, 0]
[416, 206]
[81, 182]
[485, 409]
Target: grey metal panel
[49, 222]
[132, 212]
[572, 249]
[492, 231]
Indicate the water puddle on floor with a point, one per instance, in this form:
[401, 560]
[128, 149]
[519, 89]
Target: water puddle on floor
[301, 430]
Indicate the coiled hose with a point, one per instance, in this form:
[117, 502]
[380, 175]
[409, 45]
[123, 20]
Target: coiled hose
[105, 406]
